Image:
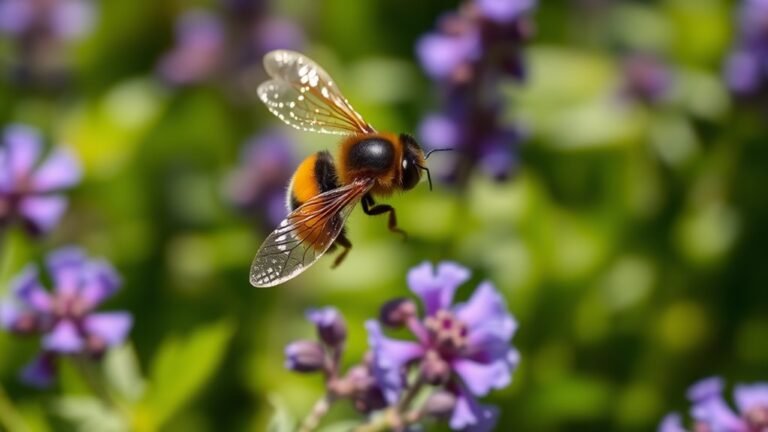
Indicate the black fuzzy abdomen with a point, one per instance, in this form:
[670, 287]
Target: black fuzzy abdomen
[372, 155]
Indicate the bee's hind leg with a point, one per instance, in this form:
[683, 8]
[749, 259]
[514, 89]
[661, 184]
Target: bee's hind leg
[344, 242]
[371, 208]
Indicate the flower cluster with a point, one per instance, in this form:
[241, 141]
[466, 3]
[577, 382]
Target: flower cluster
[29, 182]
[39, 28]
[257, 186]
[746, 69]
[459, 352]
[65, 317]
[468, 56]
[710, 411]
[208, 46]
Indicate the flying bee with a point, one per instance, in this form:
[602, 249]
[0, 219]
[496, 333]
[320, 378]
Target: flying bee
[324, 190]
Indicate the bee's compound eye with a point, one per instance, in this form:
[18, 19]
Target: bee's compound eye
[405, 163]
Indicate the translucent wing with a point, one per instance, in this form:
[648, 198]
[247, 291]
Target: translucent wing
[305, 97]
[305, 235]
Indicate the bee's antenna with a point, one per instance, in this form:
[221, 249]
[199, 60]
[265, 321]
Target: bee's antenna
[426, 156]
[429, 178]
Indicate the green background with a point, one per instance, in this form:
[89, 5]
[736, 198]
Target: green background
[630, 244]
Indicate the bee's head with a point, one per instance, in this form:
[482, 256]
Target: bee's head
[412, 163]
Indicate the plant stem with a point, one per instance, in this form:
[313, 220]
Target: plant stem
[398, 416]
[94, 381]
[10, 419]
[319, 410]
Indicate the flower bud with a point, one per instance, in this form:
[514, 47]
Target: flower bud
[331, 328]
[304, 356]
[395, 313]
[440, 404]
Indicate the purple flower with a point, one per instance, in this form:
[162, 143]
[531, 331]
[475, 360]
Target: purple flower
[65, 19]
[504, 11]
[199, 49]
[29, 182]
[465, 346]
[746, 68]
[647, 79]
[358, 385]
[65, 317]
[711, 412]
[468, 56]
[258, 185]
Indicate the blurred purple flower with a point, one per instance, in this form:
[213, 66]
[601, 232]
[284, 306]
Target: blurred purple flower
[212, 45]
[258, 184]
[710, 411]
[199, 50]
[646, 78]
[29, 183]
[746, 68]
[65, 19]
[65, 317]
[468, 55]
[465, 347]
[504, 11]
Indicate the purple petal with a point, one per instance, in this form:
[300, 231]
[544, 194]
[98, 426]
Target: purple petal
[40, 372]
[277, 33]
[64, 338]
[743, 72]
[389, 358]
[99, 282]
[481, 378]
[671, 423]
[73, 18]
[44, 212]
[504, 11]
[66, 268]
[24, 146]
[486, 312]
[59, 171]
[9, 314]
[706, 388]
[15, 16]
[436, 289]
[110, 327]
[752, 396]
[200, 39]
[716, 413]
[27, 288]
[470, 415]
[439, 131]
[441, 55]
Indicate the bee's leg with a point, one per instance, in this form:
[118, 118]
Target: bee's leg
[344, 242]
[371, 208]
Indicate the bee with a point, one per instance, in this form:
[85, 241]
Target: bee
[324, 189]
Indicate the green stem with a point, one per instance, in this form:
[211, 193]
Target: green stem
[85, 366]
[319, 410]
[10, 419]
[397, 417]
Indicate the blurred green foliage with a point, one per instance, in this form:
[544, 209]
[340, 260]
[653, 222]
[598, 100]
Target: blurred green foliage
[630, 244]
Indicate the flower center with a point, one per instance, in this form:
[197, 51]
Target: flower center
[757, 418]
[69, 307]
[448, 334]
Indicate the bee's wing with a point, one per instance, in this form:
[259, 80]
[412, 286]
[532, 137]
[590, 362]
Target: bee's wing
[305, 97]
[305, 235]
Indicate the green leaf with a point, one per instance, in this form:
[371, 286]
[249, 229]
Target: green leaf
[181, 368]
[89, 414]
[121, 369]
[282, 420]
